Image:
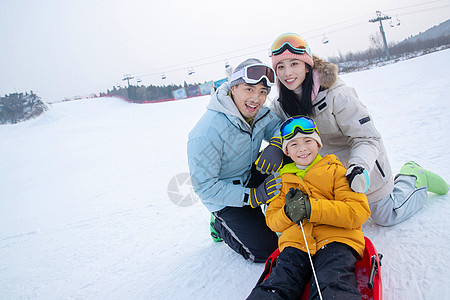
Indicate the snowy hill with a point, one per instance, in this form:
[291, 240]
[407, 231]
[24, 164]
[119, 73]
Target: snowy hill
[85, 213]
[438, 31]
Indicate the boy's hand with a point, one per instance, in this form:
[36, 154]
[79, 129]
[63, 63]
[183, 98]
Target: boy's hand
[271, 158]
[265, 192]
[297, 206]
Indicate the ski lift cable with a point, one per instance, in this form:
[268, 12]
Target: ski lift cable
[305, 34]
[341, 29]
[322, 29]
[241, 55]
[246, 54]
[205, 58]
[201, 65]
[414, 5]
[246, 48]
[424, 10]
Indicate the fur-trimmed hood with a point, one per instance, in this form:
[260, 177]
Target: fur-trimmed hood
[328, 72]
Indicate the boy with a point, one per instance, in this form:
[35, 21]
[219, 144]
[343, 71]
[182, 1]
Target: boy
[315, 192]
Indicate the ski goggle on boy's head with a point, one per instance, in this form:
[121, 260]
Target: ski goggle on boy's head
[292, 42]
[297, 124]
[253, 74]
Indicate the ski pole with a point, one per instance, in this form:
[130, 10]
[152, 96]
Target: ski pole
[310, 260]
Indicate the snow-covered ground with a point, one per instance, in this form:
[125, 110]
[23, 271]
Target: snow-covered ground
[85, 212]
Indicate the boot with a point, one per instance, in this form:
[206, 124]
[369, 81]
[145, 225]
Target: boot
[215, 236]
[434, 183]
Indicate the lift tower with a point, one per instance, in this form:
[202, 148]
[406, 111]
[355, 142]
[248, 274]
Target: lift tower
[379, 19]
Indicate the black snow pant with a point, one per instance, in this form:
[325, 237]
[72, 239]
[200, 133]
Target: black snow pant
[244, 229]
[335, 268]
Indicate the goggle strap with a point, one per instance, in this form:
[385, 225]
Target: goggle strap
[237, 75]
[290, 48]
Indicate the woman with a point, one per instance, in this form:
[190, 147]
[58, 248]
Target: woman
[310, 86]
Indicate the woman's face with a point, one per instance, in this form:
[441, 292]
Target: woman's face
[291, 72]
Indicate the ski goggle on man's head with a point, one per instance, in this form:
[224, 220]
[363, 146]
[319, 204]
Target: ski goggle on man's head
[297, 124]
[253, 74]
[292, 42]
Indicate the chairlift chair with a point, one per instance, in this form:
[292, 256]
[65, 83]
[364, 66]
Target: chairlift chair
[396, 24]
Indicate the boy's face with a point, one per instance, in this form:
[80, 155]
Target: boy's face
[302, 150]
[249, 98]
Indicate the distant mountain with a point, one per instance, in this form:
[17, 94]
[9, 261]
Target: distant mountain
[434, 32]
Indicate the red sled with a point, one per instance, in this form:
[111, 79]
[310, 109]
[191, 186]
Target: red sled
[367, 272]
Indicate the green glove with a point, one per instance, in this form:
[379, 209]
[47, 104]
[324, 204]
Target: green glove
[297, 206]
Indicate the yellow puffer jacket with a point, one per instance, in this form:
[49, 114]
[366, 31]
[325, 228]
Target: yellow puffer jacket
[337, 213]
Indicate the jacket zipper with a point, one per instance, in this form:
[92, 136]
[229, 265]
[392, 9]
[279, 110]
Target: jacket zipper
[256, 121]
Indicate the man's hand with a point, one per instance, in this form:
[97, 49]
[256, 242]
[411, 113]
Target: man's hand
[266, 191]
[271, 158]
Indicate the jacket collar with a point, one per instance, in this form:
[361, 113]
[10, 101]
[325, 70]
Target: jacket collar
[328, 72]
[326, 160]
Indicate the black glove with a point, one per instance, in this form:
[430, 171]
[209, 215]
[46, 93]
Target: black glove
[358, 179]
[297, 206]
[271, 158]
[265, 192]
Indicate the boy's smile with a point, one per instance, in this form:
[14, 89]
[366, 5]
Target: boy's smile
[302, 150]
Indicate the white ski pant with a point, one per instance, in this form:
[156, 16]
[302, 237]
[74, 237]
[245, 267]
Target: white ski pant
[404, 201]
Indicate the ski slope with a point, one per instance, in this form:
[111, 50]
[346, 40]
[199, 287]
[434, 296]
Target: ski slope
[85, 212]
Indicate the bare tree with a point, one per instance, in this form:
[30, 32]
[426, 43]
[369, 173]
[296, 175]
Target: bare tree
[376, 40]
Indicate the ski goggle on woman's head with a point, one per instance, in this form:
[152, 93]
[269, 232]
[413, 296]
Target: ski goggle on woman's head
[253, 74]
[297, 124]
[292, 42]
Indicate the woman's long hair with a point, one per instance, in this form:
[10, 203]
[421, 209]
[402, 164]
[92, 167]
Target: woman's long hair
[291, 103]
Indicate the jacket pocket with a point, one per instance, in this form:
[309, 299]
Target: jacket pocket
[380, 169]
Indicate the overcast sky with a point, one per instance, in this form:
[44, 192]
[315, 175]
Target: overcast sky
[64, 49]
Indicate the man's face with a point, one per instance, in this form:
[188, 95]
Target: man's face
[249, 98]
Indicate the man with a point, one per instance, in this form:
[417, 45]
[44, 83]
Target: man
[221, 150]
